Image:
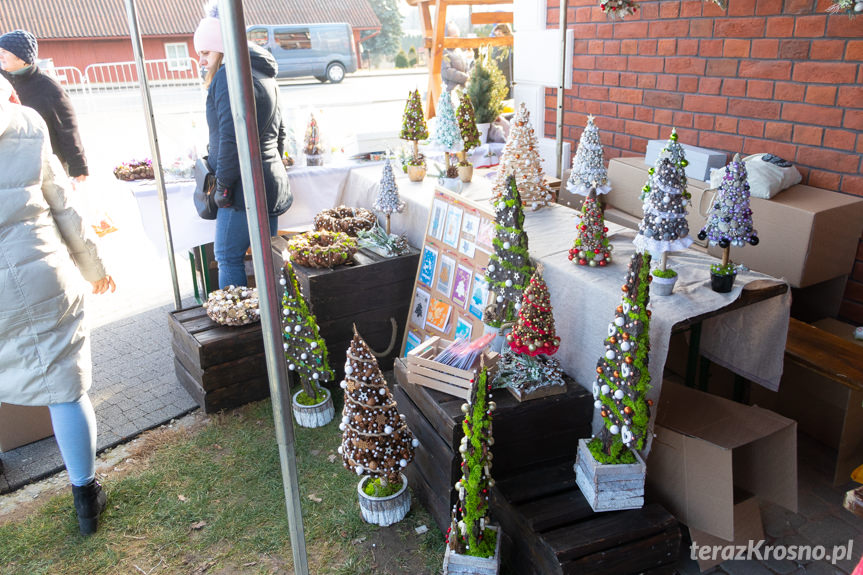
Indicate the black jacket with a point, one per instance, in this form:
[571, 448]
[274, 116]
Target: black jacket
[223, 158]
[46, 96]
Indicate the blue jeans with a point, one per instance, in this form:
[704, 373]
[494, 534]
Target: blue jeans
[75, 430]
[232, 241]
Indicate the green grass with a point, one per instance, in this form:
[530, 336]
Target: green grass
[227, 475]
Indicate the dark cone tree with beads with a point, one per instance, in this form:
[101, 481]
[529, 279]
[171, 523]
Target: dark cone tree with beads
[468, 533]
[305, 349]
[509, 268]
[591, 246]
[533, 333]
[376, 441]
[622, 376]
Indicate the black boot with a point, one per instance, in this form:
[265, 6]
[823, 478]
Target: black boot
[90, 502]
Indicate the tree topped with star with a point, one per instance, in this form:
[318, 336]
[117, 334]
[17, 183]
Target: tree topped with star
[623, 379]
[520, 158]
[388, 201]
[376, 441]
[305, 349]
[588, 165]
[509, 268]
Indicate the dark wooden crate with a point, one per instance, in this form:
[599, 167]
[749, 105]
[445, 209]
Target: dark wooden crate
[221, 367]
[367, 293]
[552, 528]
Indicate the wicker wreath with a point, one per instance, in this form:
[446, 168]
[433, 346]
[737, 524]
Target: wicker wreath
[321, 249]
[233, 306]
[345, 219]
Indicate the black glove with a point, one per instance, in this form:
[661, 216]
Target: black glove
[224, 196]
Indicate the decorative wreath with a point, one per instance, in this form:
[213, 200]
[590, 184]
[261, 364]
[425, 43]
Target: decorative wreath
[233, 306]
[321, 249]
[344, 219]
[134, 170]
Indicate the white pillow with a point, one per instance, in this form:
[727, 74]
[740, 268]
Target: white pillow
[768, 175]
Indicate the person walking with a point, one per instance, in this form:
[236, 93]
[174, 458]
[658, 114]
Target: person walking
[44, 338]
[18, 52]
[232, 231]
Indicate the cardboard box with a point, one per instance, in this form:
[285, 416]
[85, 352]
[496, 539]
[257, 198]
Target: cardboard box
[20, 425]
[747, 527]
[807, 235]
[701, 160]
[706, 447]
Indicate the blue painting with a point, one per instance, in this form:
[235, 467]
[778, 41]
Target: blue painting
[427, 266]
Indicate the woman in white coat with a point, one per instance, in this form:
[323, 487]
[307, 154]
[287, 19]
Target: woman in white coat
[44, 339]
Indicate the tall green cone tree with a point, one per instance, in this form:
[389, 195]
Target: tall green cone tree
[622, 376]
[305, 349]
[509, 268]
[414, 127]
[467, 123]
[467, 534]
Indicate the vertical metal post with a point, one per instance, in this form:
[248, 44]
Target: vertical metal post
[242, 97]
[135, 33]
[563, 64]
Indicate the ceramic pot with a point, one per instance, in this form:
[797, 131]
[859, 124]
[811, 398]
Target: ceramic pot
[465, 173]
[722, 283]
[483, 132]
[416, 173]
[316, 415]
[384, 511]
[452, 184]
[662, 286]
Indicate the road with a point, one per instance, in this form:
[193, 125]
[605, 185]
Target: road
[113, 124]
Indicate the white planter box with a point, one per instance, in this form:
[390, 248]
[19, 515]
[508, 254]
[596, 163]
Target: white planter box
[455, 563]
[313, 415]
[609, 487]
[384, 511]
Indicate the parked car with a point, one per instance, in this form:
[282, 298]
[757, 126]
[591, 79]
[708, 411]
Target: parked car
[325, 51]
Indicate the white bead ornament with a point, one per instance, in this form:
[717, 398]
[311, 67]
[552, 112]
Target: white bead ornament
[614, 430]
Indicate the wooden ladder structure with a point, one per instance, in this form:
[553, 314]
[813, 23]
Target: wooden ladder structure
[436, 42]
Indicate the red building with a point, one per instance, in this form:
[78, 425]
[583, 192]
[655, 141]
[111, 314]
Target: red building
[81, 33]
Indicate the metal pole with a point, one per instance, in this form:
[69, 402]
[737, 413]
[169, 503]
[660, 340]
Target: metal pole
[242, 99]
[563, 65]
[135, 33]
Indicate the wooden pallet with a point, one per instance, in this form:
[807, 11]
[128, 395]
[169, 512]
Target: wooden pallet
[553, 530]
[221, 367]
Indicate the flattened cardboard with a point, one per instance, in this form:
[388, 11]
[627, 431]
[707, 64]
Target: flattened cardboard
[747, 527]
[705, 447]
[20, 425]
[807, 235]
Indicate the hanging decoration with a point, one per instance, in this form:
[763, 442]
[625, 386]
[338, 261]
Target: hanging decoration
[615, 9]
[850, 7]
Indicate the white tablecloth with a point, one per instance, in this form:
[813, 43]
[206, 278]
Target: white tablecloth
[314, 189]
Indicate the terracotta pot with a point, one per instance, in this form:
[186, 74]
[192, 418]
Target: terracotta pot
[465, 173]
[316, 415]
[416, 173]
[384, 511]
[722, 283]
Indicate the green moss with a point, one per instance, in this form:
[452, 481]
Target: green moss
[666, 273]
[726, 270]
[619, 454]
[374, 488]
[485, 546]
[304, 399]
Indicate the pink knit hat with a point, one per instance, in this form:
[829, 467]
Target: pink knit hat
[208, 36]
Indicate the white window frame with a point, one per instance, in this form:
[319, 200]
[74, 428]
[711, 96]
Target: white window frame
[177, 63]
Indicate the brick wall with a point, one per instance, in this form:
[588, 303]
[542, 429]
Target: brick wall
[778, 76]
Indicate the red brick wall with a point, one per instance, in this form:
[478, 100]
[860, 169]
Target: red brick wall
[778, 76]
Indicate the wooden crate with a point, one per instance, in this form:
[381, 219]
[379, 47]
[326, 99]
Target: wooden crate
[424, 370]
[372, 293]
[609, 487]
[221, 367]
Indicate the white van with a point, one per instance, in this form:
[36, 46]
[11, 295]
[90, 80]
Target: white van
[325, 51]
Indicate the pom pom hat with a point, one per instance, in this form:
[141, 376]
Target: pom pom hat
[208, 34]
[20, 43]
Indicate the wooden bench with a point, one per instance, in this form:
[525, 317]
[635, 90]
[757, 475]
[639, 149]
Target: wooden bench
[822, 389]
[551, 527]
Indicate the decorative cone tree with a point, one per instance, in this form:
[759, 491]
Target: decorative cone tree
[618, 8]
[729, 220]
[388, 201]
[623, 378]
[467, 123]
[588, 167]
[414, 126]
[591, 246]
[520, 157]
[376, 440]
[312, 145]
[468, 533]
[447, 135]
[533, 332]
[664, 227]
[305, 349]
[509, 267]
